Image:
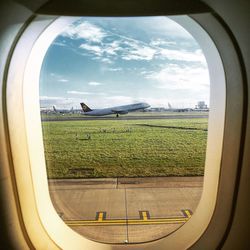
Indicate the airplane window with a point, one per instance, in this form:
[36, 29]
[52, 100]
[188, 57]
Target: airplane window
[124, 107]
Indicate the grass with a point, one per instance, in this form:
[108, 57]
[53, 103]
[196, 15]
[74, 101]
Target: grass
[132, 148]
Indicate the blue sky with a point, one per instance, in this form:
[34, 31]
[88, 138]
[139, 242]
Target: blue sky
[114, 61]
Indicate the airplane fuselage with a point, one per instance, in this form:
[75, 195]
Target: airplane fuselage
[118, 109]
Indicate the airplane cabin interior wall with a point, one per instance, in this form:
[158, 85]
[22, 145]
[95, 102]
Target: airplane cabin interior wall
[232, 15]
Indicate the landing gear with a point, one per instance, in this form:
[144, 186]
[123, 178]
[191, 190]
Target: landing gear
[117, 115]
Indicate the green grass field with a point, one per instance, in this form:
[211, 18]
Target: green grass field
[120, 148]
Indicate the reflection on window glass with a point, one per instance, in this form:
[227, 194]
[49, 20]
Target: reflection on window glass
[124, 108]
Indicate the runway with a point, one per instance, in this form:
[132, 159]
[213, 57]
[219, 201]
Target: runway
[126, 210]
[135, 117]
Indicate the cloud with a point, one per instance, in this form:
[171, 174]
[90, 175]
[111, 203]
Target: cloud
[73, 92]
[160, 59]
[139, 53]
[61, 44]
[92, 48]
[95, 83]
[173, 76]
[138, 50]
[182, 55]
[59, 102]
[159, 48]
[44, 98]
[127, 48]
[162, 42]
[114, 69]
[58, 77]
[106, 60]
[103, 51]
[132, 49]
[84, 30]
[113, 48]
[62, 80]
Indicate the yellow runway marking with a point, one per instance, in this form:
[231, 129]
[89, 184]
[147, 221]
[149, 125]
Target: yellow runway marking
[144, 220]
[144, 216]
[100, 217]
[187, 212]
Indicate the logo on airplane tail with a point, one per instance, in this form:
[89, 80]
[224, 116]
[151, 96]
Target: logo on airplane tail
[85, 108]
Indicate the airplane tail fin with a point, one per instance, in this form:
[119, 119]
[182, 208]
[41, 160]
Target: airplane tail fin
[85, 108]
[54, 108]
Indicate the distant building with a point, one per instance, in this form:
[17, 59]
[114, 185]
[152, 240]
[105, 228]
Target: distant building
[201, 105]
[156, 109]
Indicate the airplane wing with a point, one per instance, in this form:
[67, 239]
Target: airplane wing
[119, 111]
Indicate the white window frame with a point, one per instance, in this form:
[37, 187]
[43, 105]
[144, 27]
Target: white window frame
[26, 142]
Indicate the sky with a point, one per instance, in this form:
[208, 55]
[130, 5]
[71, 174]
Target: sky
[106, 62]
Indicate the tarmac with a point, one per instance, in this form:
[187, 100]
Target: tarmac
[126, 210]
[126, 117]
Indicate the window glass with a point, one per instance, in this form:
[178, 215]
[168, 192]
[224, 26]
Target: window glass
[124, 108]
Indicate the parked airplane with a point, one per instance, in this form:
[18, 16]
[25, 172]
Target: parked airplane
[197, 109]
[114, 110]
[170, 108]
[62, 111]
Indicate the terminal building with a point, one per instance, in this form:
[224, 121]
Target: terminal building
[201, 105]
